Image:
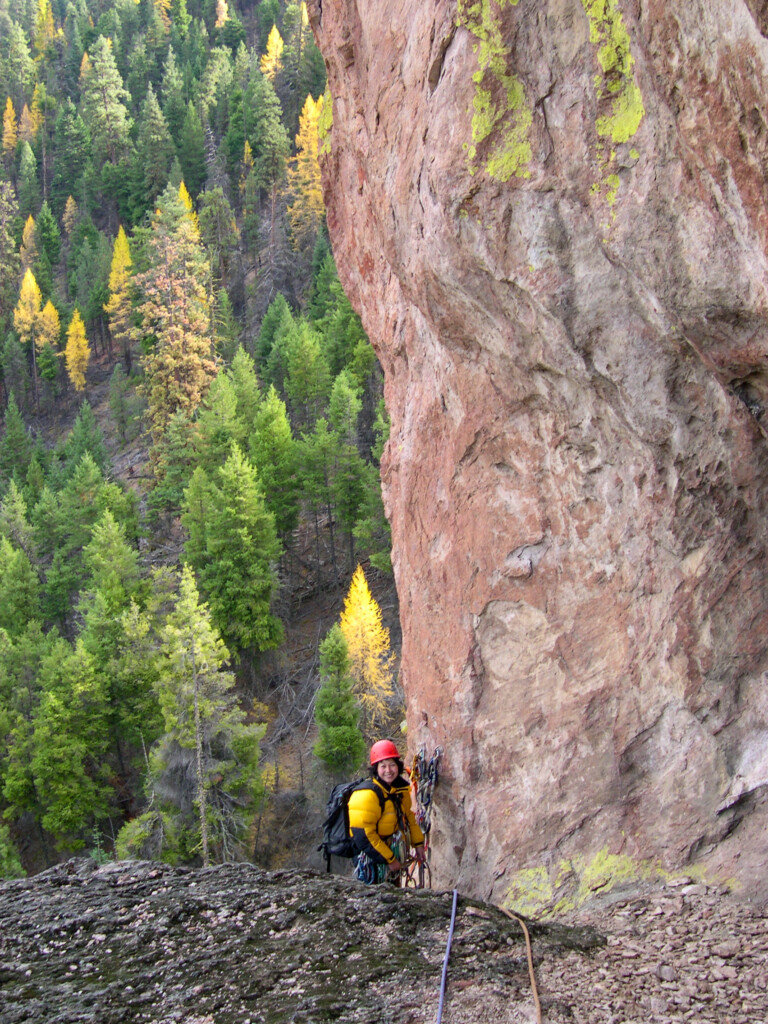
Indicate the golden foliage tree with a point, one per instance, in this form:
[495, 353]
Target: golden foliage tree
[77, 352]
[26, 319]
[50, 327]
[28, 252]
[70, 215]
[272, 60]
[370, 659]
[118, 307]
[306, 210]
[10, 129]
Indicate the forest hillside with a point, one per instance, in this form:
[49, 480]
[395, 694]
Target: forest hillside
[192, 419]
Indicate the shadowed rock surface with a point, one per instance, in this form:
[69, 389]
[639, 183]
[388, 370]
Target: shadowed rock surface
[142, 942]
[552, 216]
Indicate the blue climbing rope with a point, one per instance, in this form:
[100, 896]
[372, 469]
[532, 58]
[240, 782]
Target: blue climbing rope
[445, 958]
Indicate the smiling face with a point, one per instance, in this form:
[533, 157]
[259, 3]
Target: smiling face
[388, 770]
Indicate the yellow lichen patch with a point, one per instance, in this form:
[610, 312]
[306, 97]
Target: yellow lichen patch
[615, 81]
[569, 884]
[500, 112]
[325, 123]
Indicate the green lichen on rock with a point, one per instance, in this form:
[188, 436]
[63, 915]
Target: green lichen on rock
[542, 892]
[616, 78]
[325, 123]
[500, 112]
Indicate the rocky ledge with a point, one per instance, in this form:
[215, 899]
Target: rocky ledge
[142, 942]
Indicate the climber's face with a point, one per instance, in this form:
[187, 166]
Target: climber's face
[387, 771]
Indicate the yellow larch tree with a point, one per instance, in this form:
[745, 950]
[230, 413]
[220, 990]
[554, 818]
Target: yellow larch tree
[26, 320]
[222, 13]
[28, 251]
[70, 215]
[119, 306]
[306, 210]
[26, 127]
[78, 352]
[45, 29]
[49, 330]
[10, 130]
[272, 60]
[370, 659]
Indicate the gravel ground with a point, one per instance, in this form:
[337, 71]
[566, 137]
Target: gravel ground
[685, 952]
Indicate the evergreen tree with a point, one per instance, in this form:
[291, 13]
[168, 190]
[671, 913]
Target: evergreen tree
[192, 151]
[205, 733]
[28, 186]
[19, 589]
[218, 231]
[370, 659]
[241, 549]
[47, 235]
[349, 476]
[77, 352]
[72, 156]
[218, 425]
[275, 456]
[104, 100]
[340, 744]
[307, 380]
[69, 742]
[176, 314]
[15, 443]
[9, 259]
[154, 153]
[173, 92]
[245, 384]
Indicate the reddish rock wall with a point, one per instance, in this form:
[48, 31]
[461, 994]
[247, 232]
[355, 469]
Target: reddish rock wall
[552, 217]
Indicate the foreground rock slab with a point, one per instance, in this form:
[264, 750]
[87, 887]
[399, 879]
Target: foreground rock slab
[142, 942]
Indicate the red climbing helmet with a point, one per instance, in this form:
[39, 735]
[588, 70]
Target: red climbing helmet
[383, 750]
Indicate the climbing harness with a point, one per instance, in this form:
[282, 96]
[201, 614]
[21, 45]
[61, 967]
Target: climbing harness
[528, 950]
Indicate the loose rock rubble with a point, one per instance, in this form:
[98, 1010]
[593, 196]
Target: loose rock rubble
[151, 944]
[685, 952]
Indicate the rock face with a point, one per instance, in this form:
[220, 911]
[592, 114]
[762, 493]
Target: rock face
[142, 942]
[551, 215]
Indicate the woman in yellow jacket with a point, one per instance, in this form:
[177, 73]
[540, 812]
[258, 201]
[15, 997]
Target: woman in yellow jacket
[380, 809]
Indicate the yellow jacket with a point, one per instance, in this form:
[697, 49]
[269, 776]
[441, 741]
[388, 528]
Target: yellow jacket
[373, 817]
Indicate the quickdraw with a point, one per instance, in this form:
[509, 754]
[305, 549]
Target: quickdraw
[424, 777]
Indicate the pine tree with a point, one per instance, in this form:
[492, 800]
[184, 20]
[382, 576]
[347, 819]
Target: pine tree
[15, 443]
[72, 155]
[306, 210]
[192, 151]
[176, 313]
[44, 27]
[19, 589]
[119, 307]
[218, 426]
[245, 384]
[69, 742]
[77, 352]
[275, 456]
[155, 151]
[9, 259]
[104, 99]
[349, 476]
[218, 231]
[307, 381]
[370, 658]
[205, 728]
[340, 744]
[47, 235]
[240, 550]
[172, 92]
[28, 185]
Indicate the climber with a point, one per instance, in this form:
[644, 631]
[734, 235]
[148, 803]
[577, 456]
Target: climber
[381, 819]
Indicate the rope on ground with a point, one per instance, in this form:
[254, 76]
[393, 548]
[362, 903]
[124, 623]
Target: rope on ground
[531, 974]
[445, 958]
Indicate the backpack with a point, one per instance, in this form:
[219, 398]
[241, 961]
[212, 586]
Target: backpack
[337, 841]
